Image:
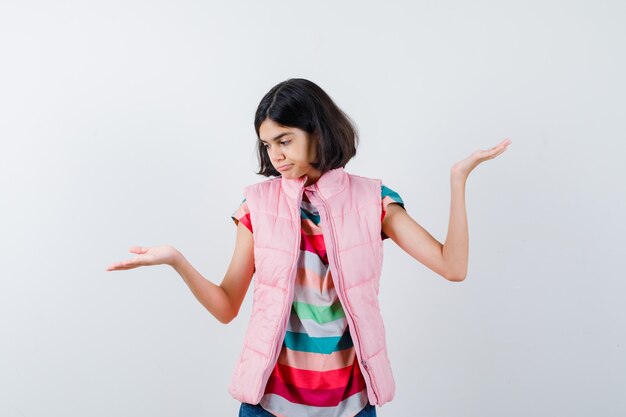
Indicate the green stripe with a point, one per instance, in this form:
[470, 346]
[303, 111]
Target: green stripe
[321, 314]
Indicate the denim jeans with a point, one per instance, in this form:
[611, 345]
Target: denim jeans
[250, 410]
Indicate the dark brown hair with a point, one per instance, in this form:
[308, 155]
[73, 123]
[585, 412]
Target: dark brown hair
[301, 103]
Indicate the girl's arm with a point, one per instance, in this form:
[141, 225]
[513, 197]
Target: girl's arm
[450, 259]
[224, 300]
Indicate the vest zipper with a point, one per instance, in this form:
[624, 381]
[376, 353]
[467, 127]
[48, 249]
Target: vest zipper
[343, 300]
[287, 308]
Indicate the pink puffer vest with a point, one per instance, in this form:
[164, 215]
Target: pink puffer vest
[350, 210]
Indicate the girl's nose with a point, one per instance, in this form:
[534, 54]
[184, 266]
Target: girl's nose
[275, 153]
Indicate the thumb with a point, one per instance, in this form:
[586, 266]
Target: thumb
[138, 249]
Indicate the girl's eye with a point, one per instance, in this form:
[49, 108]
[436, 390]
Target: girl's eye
[284, 142]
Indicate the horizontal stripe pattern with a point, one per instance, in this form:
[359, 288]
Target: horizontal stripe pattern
[316, 373]
[284, 408]
[315, 329]
[317, 361]
[313, 380]
[321, 314]
[311, 272]
[308, 293]
[319, 397]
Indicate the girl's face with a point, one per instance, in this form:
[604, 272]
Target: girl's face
[291, 150]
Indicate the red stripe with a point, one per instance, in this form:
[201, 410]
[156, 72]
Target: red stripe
[317, 397]
[314, 244]
[309, 379]
[245, 219]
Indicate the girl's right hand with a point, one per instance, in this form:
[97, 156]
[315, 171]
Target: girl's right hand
[157, 255]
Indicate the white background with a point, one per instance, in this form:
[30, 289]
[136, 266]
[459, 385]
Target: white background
[131, 123]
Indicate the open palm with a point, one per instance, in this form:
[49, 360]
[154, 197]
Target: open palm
[465, 166]
[157, 255]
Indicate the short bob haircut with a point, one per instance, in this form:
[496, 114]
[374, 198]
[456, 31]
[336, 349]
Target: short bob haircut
[302, 104]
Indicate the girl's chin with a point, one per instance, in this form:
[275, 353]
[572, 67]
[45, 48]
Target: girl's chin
[290, 174]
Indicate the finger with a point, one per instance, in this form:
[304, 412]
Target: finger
[114, 267]
[498, 149]
[118, 269]
[506, 142]
[486, 155]
[503, 144]
[496, 154]
[124, 264]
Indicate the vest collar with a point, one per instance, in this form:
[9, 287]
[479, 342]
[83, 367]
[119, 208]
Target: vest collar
[328, 184]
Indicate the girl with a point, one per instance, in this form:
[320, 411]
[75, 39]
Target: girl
[312, 237]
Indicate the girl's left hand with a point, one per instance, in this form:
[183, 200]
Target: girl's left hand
[463, 168]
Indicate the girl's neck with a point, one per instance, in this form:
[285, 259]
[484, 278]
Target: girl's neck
[312, 177]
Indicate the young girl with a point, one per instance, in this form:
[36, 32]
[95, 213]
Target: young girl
[312, 237]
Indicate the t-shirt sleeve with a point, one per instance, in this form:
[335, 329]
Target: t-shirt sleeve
[242, 214]
[389, 196]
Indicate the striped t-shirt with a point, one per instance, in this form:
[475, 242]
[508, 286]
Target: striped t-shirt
[317, 374]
